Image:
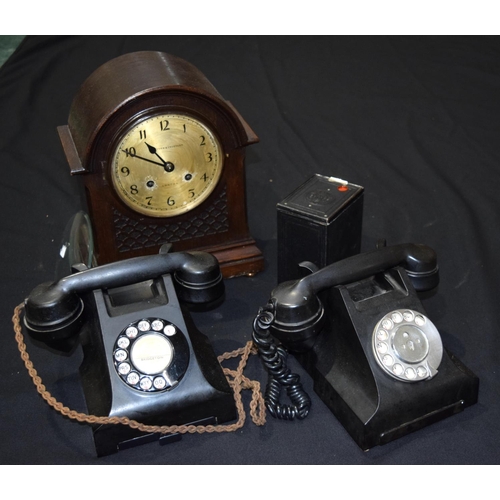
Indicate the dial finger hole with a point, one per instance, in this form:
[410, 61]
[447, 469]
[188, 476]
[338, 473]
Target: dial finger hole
[132, 378]
[419, 320]
[382, 347]
[397, 317]
[387, 360]
[408, 316]
[387, 324]
[124, 368]
[145, 383]
[382, 335]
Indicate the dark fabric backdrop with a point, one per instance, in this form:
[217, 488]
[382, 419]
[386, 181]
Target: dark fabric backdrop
[415, 120]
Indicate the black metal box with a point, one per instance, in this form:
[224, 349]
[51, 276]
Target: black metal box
[319, 222]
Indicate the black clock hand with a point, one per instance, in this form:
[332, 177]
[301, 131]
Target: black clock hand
[168, 165]
[152, 150]
[133, 155]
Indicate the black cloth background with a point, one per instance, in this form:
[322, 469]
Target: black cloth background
[415, 120]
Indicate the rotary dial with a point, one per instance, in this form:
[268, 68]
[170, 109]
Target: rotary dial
[166, 165]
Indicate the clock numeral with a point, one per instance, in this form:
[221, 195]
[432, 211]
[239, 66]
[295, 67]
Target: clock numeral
[134, 189]
[125, 171]
[202, 143]
[149, 198]
[170, 201]
[142, 134]
[184, 127]
[204, 177]
[191, 193]
[209, 157]
[164, 125]
[129, 152]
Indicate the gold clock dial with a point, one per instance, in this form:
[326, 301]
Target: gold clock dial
[166, 165]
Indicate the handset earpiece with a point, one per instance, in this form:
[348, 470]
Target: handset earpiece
[299, 312]
[53, 311]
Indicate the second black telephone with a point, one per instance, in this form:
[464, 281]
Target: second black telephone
[143, 357]
[359, 329]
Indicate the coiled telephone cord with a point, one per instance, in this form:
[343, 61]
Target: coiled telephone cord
[236, 379]
[274, 358]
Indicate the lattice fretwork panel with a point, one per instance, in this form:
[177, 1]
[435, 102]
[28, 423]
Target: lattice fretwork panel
[134, 235]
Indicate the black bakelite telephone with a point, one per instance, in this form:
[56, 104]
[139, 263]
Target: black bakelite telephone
[359, 329]
[143, 357]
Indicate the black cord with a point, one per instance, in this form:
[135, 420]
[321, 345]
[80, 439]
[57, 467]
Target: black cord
[280, 376]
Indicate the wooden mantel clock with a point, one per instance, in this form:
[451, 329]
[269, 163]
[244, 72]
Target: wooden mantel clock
[161, 155]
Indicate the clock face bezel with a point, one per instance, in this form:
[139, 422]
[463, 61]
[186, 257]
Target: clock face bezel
[164, 212]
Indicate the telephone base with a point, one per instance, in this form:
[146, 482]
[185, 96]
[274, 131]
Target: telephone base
[110, 439]
[106, 444]
[193, 386]
[374, 407]
[376, 427]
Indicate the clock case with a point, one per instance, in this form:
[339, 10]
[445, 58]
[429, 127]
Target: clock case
[117, 95]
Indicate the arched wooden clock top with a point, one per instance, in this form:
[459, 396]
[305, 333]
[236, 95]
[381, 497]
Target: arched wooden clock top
[132, 83]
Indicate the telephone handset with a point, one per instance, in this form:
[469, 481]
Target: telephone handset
[143, 356]
[53, 310]
[359, 329]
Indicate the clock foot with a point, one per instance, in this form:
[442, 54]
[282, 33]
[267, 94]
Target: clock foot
[242, 260]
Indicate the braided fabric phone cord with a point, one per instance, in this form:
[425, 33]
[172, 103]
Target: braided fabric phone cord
[236, 380]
